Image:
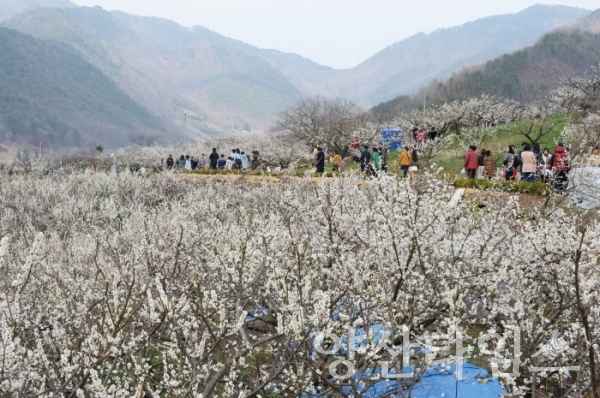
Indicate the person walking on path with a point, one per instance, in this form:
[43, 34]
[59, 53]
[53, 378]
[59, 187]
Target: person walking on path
[336, 161]
[320, 160]
[510, 153]
[414, 164]
[561, 167]
[405, 161]
[432, 135]
[245, 161]
[222, 162]
[420, 137]
[255, 160]
[481, 159]
[214, 159]
[545, 165]
[471, 163]
[237, 159]
[365, 158]
[489, 165]
[376, 159]
[202, 162]
[529, 166]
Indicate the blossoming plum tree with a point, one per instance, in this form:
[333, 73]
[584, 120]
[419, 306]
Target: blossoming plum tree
[128, 286]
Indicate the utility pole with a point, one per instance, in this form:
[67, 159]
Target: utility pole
[424, 97]
[102, 137]
[184, 126]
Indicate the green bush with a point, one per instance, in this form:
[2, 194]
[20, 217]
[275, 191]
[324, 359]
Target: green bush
[231, 172]
[532, 188]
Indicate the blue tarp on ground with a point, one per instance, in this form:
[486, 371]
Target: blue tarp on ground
[392, 138]
[436, 382]
[475, 383]
[255, 313]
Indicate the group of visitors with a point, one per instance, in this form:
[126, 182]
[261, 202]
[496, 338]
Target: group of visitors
[532, 164]
[371, 159]
[421, 136]
[236, 160]
[409, 162]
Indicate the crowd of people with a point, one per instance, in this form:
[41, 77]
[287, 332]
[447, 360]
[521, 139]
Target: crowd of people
[236, 160]
[531, 164]
[371, 159]
[420, 135]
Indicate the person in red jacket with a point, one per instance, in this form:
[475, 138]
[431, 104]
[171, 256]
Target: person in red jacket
[471, 162]
[561, 165]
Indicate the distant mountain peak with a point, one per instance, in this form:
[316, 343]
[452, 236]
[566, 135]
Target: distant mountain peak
[10, 8]
[590, 23]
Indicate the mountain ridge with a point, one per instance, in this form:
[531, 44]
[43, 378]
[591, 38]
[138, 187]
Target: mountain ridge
[10, 8]
[49, 91]
[525, 75]
[170, 69]
[431, 52]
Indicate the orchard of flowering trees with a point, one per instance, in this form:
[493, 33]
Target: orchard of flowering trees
[180, 287]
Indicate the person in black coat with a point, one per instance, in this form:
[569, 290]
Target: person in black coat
[320, 160]
[365, 158]
[170, 162]
[214, 159]
[432, 134]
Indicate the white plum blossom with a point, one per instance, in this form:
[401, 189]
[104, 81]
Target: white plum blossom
[183, 286]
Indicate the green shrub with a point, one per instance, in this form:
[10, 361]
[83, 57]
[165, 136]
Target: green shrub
[231, 172]
[533, 188]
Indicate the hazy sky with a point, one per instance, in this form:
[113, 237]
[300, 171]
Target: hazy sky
[336, 33]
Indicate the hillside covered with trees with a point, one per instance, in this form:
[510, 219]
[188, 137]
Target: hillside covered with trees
[49, 91]
[526, 75]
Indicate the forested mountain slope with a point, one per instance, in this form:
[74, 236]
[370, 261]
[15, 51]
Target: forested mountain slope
[525, 75]
[169, 68]
[49, 92]
[408, 65]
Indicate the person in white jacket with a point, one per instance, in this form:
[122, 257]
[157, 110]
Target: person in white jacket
[245, 161]
[545, 165]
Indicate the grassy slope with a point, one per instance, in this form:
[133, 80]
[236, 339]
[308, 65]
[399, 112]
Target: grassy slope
[507, 134]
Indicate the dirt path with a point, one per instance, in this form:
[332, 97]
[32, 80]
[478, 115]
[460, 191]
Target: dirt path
[256, 178]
